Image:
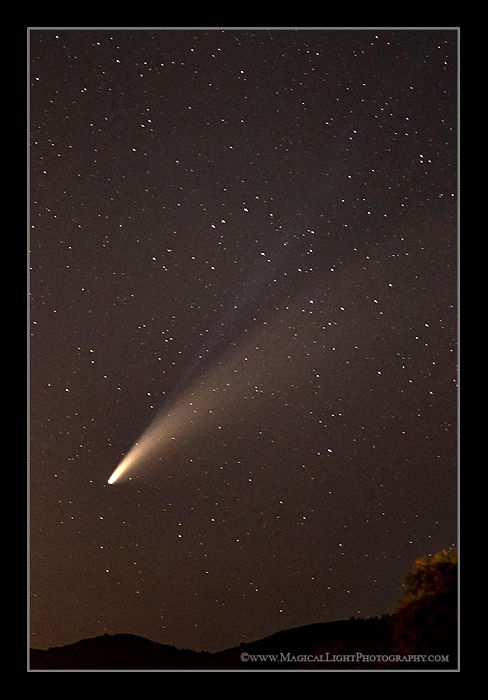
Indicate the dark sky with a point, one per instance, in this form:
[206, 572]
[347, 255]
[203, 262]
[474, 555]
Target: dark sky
[257, 231]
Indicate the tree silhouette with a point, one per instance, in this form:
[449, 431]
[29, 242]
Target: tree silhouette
[425, 620]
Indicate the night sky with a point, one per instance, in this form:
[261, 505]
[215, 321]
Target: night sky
[250, 235]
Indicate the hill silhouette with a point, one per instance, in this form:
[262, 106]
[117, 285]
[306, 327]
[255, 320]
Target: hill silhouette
[118, 651]
[421, 633]
[320, 646]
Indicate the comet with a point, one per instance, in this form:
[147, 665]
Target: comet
[116, 473]
[124, 464]
[158, 433]
[186, 412]
[193, 409]
[210, 390]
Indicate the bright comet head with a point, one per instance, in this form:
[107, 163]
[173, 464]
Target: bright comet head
[119, 470]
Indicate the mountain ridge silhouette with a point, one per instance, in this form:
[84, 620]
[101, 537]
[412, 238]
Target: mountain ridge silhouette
[318, 646]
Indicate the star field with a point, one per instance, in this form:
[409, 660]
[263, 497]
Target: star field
[257, 229]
